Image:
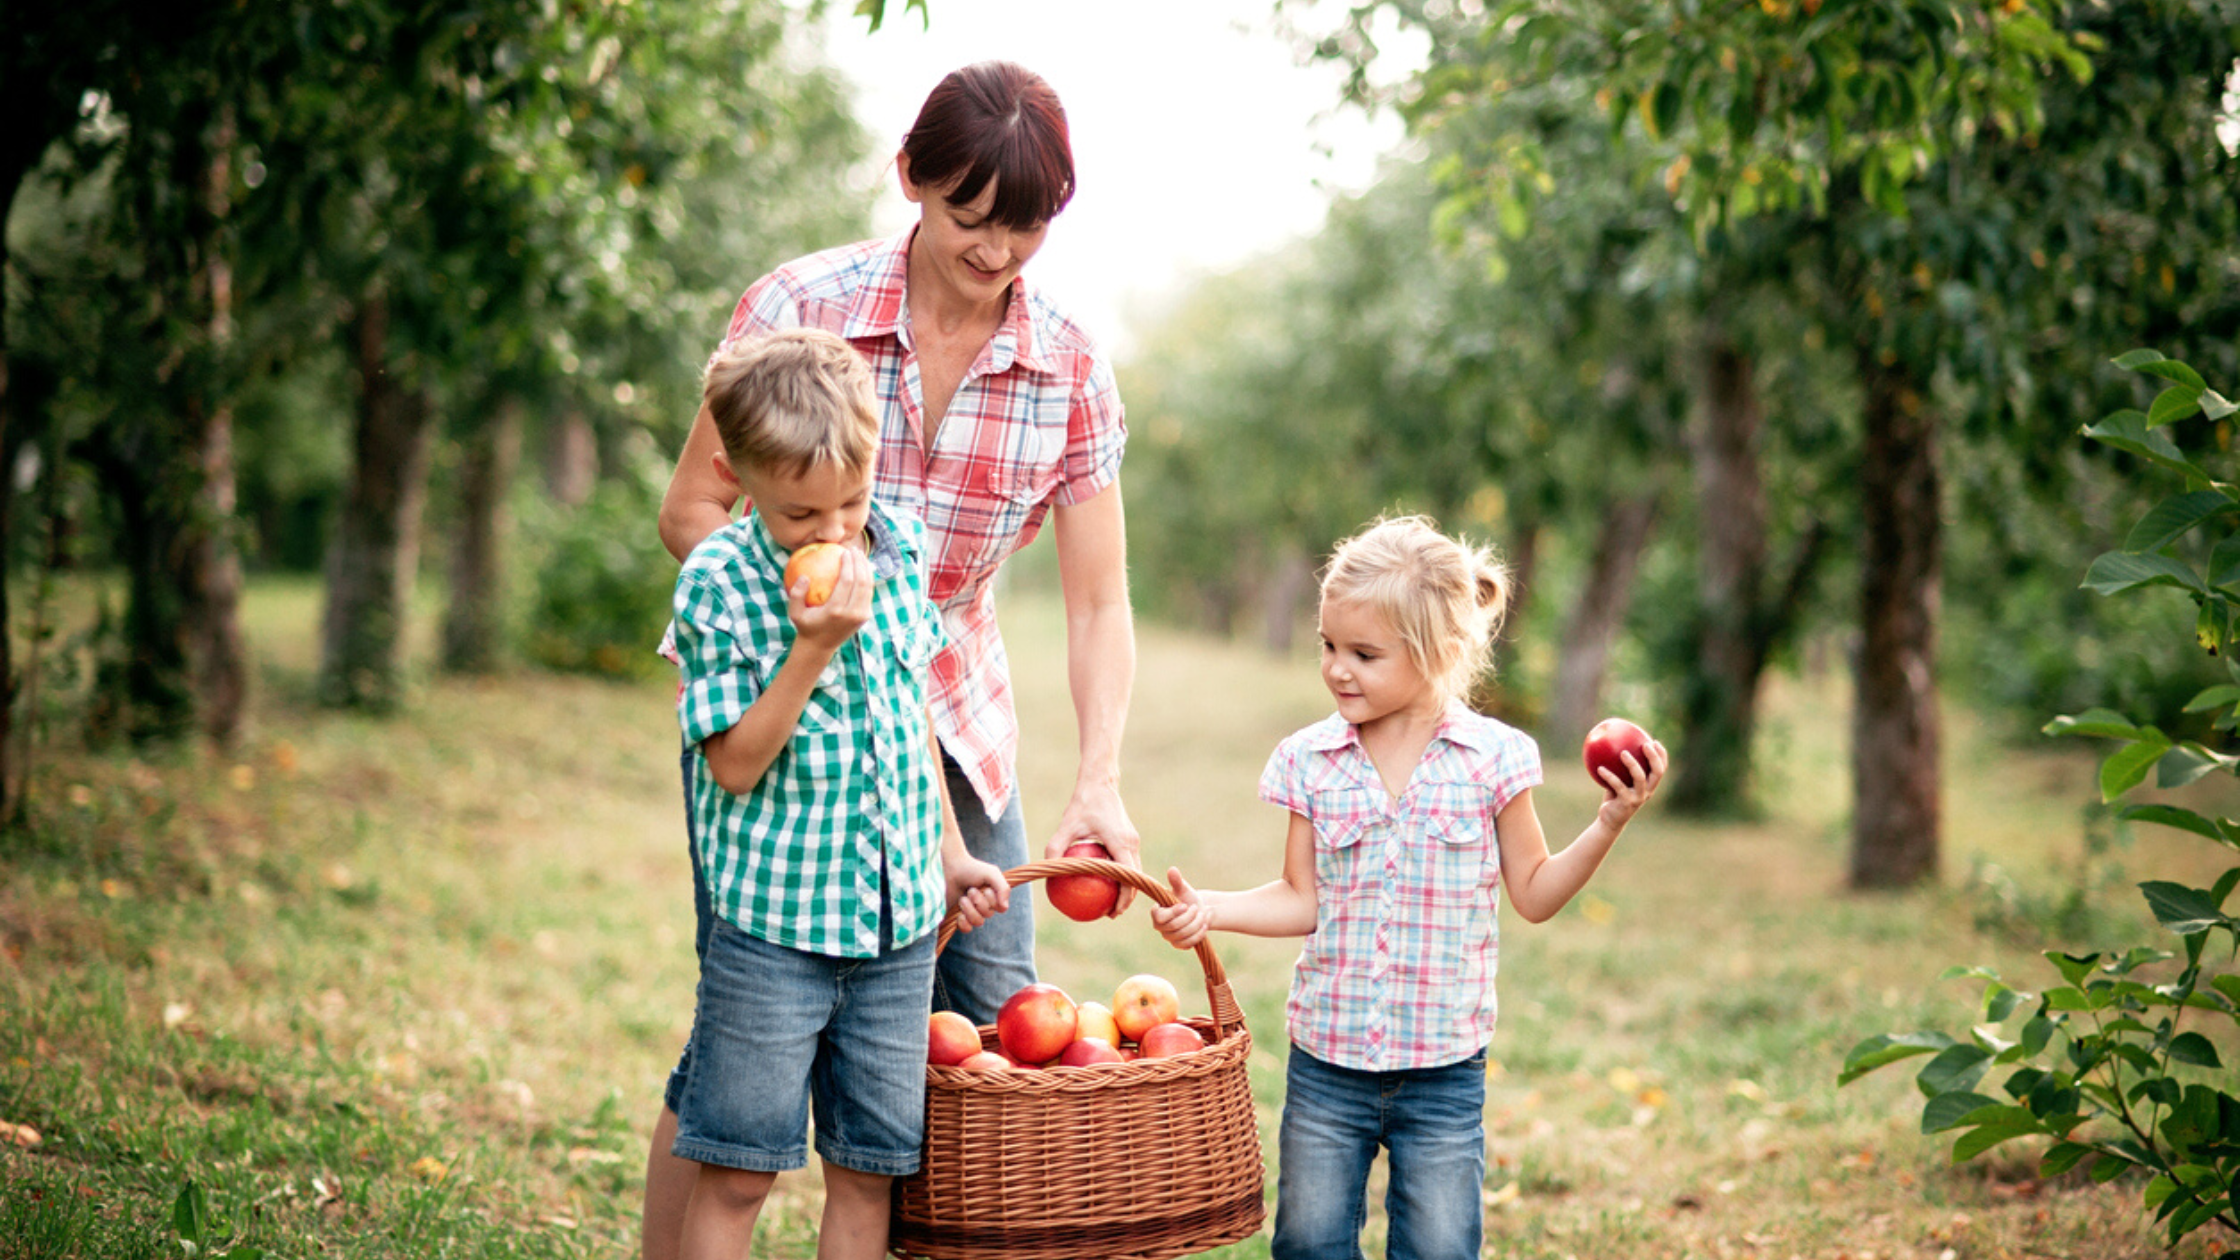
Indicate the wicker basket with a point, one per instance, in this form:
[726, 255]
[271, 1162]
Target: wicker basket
[1123, 1161]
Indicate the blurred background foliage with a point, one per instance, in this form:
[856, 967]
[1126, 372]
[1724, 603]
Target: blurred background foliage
[1754, 336]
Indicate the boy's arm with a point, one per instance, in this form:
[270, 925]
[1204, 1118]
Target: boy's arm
[976, 889]
[741, 755]
[1539, 883]
[1281, 907]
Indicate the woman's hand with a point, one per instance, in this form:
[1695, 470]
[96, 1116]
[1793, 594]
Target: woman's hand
[1096, 813]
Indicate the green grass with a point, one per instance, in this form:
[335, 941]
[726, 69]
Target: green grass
[408, 988]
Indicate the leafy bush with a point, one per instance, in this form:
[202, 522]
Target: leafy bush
[2100, 1063]
[604, 582]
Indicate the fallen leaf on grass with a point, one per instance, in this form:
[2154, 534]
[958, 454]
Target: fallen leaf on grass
[176, 1013]
[429, 1168]
[22, 1135]
[1506, 1195]
[587, 1155]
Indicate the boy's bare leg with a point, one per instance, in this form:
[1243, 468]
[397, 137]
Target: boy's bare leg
[719, 1222]
[857, 1206]
[668, 1189]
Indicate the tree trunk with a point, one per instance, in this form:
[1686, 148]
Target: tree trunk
[1285, 591]
[1584, 659]
[571, 460]
[473, 624]
[212, 561]
[1894, 739]
[375, 550]
[1719, 699]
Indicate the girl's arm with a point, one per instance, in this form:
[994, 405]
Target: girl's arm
[1541, 883]
[1282, 907]
[698, 501]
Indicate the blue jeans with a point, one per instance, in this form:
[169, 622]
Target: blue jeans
[777, 1030]
[1431, 1123]
[978, 969]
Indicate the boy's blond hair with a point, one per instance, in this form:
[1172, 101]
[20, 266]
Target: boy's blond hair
[792, 400]
[1445, 599]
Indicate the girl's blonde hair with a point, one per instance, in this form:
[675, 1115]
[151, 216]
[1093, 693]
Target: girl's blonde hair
[1445, 598]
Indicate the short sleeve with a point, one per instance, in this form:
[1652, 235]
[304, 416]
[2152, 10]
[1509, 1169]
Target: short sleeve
[716, 682]
[1282, 782]
[1096, 434]
[1513, 769]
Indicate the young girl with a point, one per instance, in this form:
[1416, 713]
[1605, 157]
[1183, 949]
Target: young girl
[1409, 813]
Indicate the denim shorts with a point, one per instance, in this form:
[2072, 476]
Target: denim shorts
[1431, 1123]
[778, 1032]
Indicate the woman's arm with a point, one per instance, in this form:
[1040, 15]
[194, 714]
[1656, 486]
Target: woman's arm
[1101, 669]
[699, 501]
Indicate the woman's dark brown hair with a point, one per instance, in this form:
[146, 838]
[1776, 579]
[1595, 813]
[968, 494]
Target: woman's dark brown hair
[994, 120]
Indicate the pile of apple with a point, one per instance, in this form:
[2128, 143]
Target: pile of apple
[1039, 1027]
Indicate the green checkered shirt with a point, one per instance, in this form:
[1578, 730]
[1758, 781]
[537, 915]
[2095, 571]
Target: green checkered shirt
[851, 804]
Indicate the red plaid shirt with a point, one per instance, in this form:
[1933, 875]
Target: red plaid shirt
[1037, 421]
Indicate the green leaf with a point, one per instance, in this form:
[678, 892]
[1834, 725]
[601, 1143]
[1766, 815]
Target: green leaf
[190, 1215]
[2221, 696]
[2173, 518]
[2183, 910]
[1999, 1002]
[2127, 767]
[1983, 1137]
[2061, 1157]
[2158, 1191]
[2228, 985]
[2174, 816]
[2153, 363]
[2128, 431]
[2187, 762]
[1950, 1111]
[2073, 967]
[2193, 1048]
[2115, 572]
[2216, 406]
[1956, 1067]
[2173, 404]
[1884, 1049]
[2104, 723]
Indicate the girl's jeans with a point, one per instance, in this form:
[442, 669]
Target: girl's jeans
[1431, 1121]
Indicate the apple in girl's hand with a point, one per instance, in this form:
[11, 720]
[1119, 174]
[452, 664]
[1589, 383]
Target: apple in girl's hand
[820, 563]
[1142, 1002]
[1162, 1040]
[1037, 1023]
[950, 1038]
[1094, 1019]
[1084, 897]
[1609, 738]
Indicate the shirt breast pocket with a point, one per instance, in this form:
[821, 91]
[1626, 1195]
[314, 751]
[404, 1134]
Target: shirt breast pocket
[826, 709]
[1005, 500]
[1465, 852]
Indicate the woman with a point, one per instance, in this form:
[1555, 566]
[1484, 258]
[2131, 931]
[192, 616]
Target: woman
[997, 412]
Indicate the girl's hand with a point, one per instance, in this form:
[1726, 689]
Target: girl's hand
[829, 624]
[977, 891]
[1185, 922]
[1627, 798]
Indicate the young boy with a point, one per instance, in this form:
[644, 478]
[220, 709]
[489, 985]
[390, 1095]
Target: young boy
[829, 846]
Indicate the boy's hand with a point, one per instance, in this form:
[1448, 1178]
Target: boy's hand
[977, 890]
[828, 625]
[1627, 798]
[1185, 922]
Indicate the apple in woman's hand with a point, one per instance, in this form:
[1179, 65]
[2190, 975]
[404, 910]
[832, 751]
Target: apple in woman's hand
[1609, 738]
[820, 563]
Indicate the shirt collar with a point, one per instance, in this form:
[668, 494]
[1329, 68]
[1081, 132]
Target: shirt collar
[881, 308]
[882, 543]
[1458, 725]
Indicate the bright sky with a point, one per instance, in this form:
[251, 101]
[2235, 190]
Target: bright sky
[1199, 139]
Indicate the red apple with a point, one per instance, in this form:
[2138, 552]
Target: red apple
[820, 563]
[1162, 1040]
[1084, 897]
[1090, 1050]
[1094, 1019]
[1036, 1024]
[1142, 1002]
[950, 1038]
[1609, 738]
[983, 1060]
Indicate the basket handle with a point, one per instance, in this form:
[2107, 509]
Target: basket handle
[1226, 1012]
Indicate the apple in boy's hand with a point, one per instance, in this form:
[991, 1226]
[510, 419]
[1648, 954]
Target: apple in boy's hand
[1084, 897]
[820, 563]
[1610, 738]
[950, 1038]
